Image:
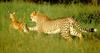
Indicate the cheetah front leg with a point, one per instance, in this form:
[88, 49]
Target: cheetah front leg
[33, 28]
[38, 29]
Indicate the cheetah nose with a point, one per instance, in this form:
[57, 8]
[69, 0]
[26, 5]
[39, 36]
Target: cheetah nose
[30, 19]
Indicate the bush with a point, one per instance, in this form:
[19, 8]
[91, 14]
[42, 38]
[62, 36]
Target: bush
[90, 17]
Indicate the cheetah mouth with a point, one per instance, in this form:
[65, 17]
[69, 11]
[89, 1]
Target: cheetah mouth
[32, 24]
[30, 19]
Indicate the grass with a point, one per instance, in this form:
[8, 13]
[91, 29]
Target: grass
[12, 41]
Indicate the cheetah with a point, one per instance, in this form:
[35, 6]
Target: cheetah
[67, 27]
[20, 26]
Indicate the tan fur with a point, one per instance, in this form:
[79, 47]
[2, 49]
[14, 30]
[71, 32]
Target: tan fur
[17, 24]
[66, 26]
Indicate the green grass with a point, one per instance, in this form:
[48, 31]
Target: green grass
[12, 41]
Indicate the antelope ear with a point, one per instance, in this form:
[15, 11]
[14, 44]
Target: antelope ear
[14, 12]
[9, 12]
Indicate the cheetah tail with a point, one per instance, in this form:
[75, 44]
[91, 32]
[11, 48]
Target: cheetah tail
[92, 30]
[89, 30]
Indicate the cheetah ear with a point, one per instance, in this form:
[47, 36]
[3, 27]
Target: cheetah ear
[34, 12]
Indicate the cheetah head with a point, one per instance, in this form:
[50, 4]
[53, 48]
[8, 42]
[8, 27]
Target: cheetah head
[34, 16]
[38, 17]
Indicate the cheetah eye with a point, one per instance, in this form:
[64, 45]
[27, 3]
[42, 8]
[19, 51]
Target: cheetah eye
[31, 16]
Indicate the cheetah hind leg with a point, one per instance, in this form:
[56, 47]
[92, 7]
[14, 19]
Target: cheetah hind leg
[81, 39]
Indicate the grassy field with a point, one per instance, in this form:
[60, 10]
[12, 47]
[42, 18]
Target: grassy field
[12, 41]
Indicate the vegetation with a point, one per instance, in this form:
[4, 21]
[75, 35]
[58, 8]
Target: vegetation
[13, 41]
